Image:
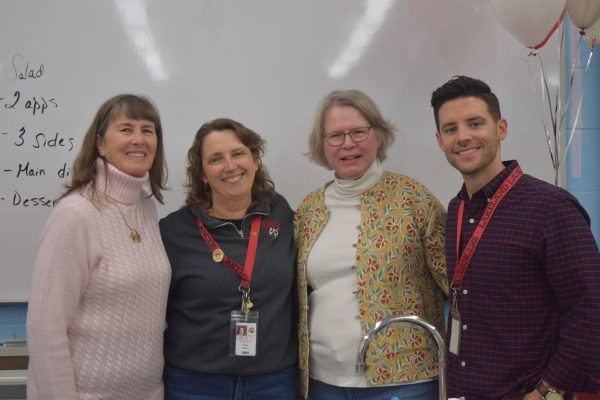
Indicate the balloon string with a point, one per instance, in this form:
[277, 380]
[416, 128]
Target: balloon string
[546, 96]
[574, 125]
[558, 103]
[558, 106]
[557, 112]
[571, 80]
[541, 112]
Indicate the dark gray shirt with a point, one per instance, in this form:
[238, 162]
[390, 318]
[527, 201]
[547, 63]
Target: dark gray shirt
[203, 292]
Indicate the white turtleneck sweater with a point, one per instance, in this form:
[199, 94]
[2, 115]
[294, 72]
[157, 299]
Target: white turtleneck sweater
[335, 330]
[97, 306]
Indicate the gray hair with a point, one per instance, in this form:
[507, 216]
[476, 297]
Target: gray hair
[368, 109]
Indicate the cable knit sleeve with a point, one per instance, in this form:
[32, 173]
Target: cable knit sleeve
[67, 252]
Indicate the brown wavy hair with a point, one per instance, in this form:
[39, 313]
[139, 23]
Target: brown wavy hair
[131, 106]
[199, 193]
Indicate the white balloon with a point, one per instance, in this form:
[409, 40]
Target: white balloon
[583, 12]
[592, 34]
[530, 21]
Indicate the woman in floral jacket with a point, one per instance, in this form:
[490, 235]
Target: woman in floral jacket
[370, 245]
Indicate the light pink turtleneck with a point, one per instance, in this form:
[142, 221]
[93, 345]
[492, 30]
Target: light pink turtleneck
[97, 307]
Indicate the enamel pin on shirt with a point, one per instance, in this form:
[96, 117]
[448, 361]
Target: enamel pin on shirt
[218, 255]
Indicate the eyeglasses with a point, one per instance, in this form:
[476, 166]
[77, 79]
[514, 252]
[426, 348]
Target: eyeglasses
[359, 134]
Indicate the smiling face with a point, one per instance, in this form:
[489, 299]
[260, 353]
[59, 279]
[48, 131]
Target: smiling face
[351, 159]
[229, 168]
[470, 139]
[129, 145]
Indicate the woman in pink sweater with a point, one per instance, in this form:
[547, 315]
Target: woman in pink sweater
[97, 306]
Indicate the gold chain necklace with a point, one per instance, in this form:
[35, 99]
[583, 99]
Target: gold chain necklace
[133, 233]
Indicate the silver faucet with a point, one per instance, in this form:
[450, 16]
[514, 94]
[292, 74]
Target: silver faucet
[361, 367]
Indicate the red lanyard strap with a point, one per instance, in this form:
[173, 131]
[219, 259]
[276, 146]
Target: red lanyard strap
[465, 259]
[245, 272]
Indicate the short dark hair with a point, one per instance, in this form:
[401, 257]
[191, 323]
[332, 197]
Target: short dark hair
[464, 86]
[198, 192]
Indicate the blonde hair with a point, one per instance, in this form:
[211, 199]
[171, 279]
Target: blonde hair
[368, 109]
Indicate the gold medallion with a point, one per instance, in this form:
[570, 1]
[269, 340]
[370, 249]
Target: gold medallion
[218, 255]
[135, 236]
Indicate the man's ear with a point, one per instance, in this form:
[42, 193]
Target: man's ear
[438, 137]
[502, 126]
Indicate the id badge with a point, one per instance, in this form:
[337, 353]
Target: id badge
[454, 342]
[243, 334]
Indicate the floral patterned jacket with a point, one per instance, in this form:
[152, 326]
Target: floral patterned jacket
[400, 270]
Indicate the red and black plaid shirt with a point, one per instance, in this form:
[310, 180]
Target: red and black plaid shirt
[530, 299]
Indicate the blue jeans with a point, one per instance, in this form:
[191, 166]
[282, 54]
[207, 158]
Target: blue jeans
[418, 391]
[186, 385]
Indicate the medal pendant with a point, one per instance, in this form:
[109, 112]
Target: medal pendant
[134, 235]
[218, 255]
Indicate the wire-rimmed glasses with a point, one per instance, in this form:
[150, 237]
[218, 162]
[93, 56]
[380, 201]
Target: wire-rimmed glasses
[359, 134]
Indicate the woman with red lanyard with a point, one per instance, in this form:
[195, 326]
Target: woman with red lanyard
[233, 261]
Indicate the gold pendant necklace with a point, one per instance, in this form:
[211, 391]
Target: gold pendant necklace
[133, 233]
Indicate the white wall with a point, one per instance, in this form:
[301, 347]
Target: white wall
[264, 63]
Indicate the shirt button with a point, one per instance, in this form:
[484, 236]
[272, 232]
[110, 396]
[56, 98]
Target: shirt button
[464, 327]
[462, 363]
[465, 291]
[488, 199]
[471, 221]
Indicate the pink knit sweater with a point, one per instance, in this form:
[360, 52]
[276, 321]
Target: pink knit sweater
[97, 306]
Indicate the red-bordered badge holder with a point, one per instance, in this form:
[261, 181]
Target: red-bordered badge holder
[244, 324]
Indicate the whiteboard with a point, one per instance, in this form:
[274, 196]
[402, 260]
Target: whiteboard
[265, 63]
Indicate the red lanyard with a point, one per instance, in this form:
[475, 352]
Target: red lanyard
[245, 272]
[465, 259]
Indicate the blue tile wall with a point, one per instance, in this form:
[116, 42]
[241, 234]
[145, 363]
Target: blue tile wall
[583, 159]
[12, 321]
